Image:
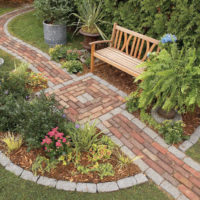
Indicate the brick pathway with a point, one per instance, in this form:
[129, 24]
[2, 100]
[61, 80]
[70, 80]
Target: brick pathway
[90, 97]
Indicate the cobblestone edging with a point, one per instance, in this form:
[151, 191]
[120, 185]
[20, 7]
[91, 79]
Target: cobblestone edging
[72, 186]
[166, 165]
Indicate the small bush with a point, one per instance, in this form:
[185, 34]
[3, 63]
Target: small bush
[172, 131]
[132, 101]
[73, 66]
[58, 52]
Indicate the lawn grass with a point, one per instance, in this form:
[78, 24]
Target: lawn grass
[9, 62]
[4, 10]
[194, 152]
[14, 188]
[29, 28]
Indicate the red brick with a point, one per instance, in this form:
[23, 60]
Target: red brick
[150, 147]
[196, 190]
[189, 193]
[137, 137]
[183, 180]
[116, 132]
[138, 152]
[159, 148]
[146, 137]
[181, 170]
[195, 181]
[107, 124]
[136, 143]
[165, 166]
[126, 142]
[154, 165]
[191, 170]
[174, 158]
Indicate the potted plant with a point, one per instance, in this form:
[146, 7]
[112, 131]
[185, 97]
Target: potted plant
[172, 79]
[56, 15]
[89, 17]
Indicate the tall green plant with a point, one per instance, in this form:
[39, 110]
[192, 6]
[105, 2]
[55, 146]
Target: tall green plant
[171, 79]
[90, 15]
[54, 11]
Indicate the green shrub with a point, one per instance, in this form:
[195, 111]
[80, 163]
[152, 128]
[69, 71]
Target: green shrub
[132, 101]
[171, 80]
[58, 52]
[54, 11]
[172, 131]
[73, 66]
[72, 55]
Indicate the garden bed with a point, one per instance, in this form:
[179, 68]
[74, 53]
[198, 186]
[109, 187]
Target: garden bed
[25, 159]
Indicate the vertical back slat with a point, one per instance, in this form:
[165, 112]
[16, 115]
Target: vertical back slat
[120, 38]
[137, 46]
[113, 34]
[140, 51]
[116, 38]
[133, 46]
[147, 50]
[125, 40]
[127, 44]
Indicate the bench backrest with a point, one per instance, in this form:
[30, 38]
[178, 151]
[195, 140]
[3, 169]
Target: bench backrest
[133, 43]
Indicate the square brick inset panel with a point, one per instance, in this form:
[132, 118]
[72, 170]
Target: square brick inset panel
[87, 99]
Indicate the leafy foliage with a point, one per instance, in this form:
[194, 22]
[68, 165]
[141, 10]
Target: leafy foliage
[172, 131]
[90, 15]
[13, 142]
[54, 11]
[58, 52]
[43, 164]
[132, 101]
[73, 66]
[171, 80]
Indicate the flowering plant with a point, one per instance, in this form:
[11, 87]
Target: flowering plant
[167, 38]
[56, 144]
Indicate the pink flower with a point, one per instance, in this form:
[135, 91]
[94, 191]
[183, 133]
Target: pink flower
[51, 133]
[58, 144]
[45, 148]
[48, 141]
[64, 140]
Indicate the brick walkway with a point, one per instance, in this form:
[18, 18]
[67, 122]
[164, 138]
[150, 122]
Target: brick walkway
[89, 97]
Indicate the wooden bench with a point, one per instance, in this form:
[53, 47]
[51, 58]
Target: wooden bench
[127, 49]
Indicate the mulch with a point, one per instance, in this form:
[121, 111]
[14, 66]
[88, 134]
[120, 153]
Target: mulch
[25, 159]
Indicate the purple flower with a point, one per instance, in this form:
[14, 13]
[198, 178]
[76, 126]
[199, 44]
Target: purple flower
[27, 97]
[168, 38]
[64, 116]
[77, 126]
[6, 92]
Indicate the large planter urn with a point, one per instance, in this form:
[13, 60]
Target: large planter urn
[55, 34]
[167, 115]
[88, 37]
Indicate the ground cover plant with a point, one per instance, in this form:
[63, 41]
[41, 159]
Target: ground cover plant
[194, 152]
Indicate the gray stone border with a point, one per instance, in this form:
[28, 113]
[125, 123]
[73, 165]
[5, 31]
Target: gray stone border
[140, 178]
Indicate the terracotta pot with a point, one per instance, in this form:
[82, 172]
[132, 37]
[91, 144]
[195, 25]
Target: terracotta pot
[88, 37]
[168, 115]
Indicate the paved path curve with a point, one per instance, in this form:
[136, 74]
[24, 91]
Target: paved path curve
[91, 97]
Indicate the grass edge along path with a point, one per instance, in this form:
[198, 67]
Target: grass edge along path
[4, 9]
[194, 152]
[29, 28]
[14, 188]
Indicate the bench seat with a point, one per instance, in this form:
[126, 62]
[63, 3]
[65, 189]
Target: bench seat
[127, 49]
[120, 60]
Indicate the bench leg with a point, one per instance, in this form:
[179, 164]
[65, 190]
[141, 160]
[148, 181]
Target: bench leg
[92, 58]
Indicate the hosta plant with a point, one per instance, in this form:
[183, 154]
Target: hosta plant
[73, 66]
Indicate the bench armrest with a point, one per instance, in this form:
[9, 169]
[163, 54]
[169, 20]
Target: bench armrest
[100, 42]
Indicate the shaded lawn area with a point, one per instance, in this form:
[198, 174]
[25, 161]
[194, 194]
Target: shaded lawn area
[29, 28]
[4, 9]
[194, 152]
[9, 62]
[14, 188]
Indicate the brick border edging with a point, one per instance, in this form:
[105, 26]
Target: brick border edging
[144, 167]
